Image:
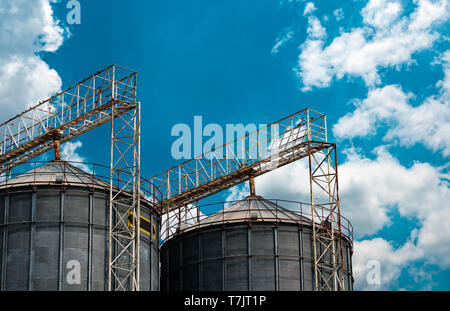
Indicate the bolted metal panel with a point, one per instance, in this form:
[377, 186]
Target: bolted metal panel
[290, 261]
[73, 212]
[263, 258]
[99, 259]
[237, 271]
[47, 205]
[263, 273]
[20, 207]
[18, 257]
[174, 263]
[212, 275]
[290, 274]
[50, 231]
[236, 242]
[155, 276]
[46, 265]
[190, 263]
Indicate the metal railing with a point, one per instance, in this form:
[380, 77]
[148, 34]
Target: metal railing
[260, 151]
[281, 211]
[83, 174]
[70, 113]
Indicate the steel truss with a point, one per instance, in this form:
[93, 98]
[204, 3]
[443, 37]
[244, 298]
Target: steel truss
[124, 202]
[326, 220]
[300, 135]
[108, 95]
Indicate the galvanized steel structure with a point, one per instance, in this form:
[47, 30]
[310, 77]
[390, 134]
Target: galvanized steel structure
[54, 230]
[300, 135]
[110, 95]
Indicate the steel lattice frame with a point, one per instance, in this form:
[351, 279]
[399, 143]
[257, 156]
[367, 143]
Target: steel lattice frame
[300, 135]
[108, 95]
[326, 217]
[124, 231]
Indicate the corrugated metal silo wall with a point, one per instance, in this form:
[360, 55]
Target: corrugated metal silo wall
[260, 257]
[47, 233]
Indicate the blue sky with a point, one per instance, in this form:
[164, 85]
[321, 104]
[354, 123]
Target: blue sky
[379, 69]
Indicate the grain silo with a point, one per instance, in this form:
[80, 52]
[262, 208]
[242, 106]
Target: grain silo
[254, 244]
[54, 231]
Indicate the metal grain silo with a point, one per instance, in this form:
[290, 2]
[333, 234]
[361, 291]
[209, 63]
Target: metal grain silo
[54, 223]
[255, 244]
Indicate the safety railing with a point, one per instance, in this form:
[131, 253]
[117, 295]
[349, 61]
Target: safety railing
[273, 210]
[73, 173]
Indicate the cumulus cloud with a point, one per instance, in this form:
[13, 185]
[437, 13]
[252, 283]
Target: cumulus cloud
[238, 192]
[69, 153]
[368, 188]
[315, 29]
[391, 262]
[428, 123]
[26, 29]
[429, 245]
[309, 8]
[338, 14]
[381, 104]
[385, 40]
[444, 84]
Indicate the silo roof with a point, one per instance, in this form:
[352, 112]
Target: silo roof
[253, 208]
[56, 172]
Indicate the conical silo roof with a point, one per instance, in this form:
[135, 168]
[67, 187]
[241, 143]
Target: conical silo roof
[253, 208]
[56, 172]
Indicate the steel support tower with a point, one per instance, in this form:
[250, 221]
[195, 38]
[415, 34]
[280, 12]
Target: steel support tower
[106, 96]
[300, 135]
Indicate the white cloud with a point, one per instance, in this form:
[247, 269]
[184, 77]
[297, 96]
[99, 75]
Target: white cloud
[381, 13]
[238, 192]
[309, 8]
[338, 14]
[315, 29]
[369, 190]
[428, 123]
[430, 245]
[386, 40]
[282, 40]
[434, 235]
[24, 82]
[27, 28]
[69, 153]
[444, 84]
[380, 104]
[391, 262]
